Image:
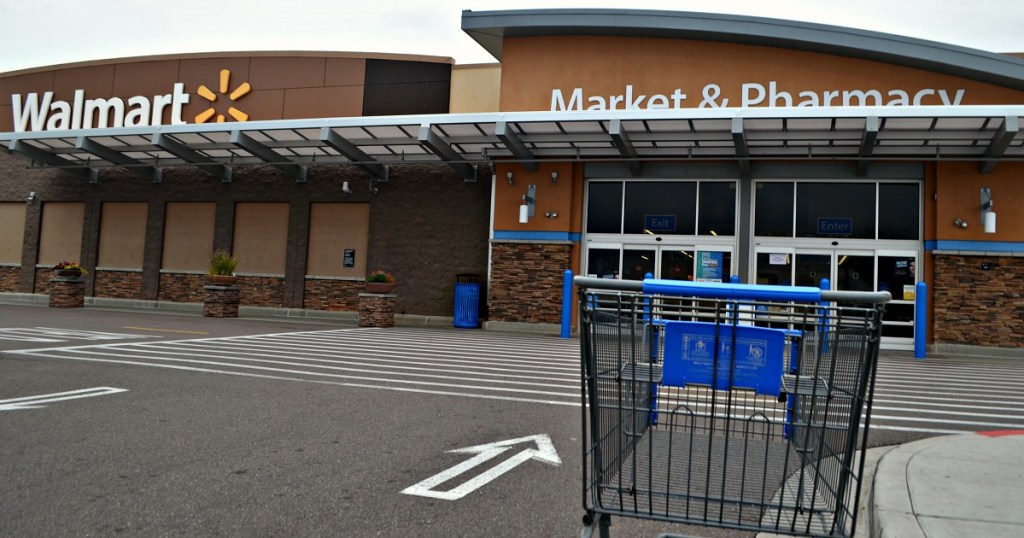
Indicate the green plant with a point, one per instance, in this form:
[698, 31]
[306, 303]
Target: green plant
[222, 263]
[380, 276]
[70, 266]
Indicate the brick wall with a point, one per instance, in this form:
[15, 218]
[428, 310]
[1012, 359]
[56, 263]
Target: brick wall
[181, 287]
[118, 284]
[262, 290]
[323, 294]
[9, 276]
[526, 281]
[979, 306]
[42, 283]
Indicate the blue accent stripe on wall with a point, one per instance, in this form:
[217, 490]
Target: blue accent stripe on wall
[975, 246]
[526, 235]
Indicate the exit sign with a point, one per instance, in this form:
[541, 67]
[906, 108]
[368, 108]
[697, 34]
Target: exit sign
[660, 223]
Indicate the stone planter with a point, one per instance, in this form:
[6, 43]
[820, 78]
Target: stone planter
[376, 310]
[221, 301]
[221, 280]
[379, 287]
[67, 291]
[68, 273]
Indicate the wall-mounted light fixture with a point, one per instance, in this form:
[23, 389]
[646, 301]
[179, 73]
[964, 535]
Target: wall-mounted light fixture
[345, 188]
[554, 177]
[960, 222]
[551, 214]
[526, 210]
[31, 197]
[374, 189]
[509, 176]
[988, 216]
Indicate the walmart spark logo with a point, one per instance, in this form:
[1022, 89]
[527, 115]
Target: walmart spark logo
[236, 94]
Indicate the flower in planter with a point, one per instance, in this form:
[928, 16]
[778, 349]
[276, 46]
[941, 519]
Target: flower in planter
[381, 276]
[71, 267]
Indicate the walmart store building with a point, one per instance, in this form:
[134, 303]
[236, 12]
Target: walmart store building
[691, 146]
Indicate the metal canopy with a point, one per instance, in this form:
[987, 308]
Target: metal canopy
[984, 134]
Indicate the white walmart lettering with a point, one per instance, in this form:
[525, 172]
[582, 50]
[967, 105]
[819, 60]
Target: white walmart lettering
[754, 94]
[35, 114]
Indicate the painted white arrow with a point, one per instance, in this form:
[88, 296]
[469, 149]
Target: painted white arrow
[35, 402]
[545, 452]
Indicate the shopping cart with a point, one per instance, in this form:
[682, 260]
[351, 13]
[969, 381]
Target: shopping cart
[726, 405]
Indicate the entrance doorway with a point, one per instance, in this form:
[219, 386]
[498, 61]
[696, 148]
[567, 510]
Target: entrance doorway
[632, 261]
[894, 271]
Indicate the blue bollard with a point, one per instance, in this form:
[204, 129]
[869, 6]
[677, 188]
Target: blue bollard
[566, 304]
[920, 319]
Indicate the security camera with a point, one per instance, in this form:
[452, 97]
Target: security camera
[344, 188]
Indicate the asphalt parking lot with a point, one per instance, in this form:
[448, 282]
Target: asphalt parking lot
[138, 423]
[204, 440]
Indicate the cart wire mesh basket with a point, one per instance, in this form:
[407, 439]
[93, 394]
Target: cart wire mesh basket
[726, 405]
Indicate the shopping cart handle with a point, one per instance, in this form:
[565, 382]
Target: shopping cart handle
[721, 290]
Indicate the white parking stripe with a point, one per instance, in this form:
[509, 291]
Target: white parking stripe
[932, 396]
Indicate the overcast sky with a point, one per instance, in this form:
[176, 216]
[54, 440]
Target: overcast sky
[36, 33]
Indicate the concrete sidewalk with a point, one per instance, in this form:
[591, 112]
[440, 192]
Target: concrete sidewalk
[951, 486]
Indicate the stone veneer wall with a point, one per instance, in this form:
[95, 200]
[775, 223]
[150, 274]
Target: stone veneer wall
[427, 224]
[181, 287]
[118, 284]
[323, 294]
[42, 283]
[526, 281]
[261, 290]
[978, 306]
[9, 276]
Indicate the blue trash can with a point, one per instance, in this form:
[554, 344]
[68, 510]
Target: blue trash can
[467, 301]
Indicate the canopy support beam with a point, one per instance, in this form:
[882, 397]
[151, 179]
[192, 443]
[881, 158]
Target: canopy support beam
[622, 143]
[428, 138]
[191, 156]
[118, 158]
[515, 145]
[352, 152]
[249, 144]
[1000, 141]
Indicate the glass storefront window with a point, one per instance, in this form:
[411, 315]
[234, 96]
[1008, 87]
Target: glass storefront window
[773, 209]
[855, 273]
[604, 208]
[811, 268]
[637, 263]
[898, 211]
[775, 268]
[677, 264]
[841, 210]
[717, 209]
[603, 263]
[898, 276]
[660, 207]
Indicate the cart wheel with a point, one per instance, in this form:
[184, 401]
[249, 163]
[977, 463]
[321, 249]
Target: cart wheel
[595, 527]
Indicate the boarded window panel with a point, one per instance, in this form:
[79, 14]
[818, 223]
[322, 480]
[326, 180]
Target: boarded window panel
[122, 235]
[60, 238]
[12, 222]
[261, 237]
[333, 230]
[188, 236]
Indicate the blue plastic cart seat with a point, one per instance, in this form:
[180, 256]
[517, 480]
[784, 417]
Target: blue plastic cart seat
[691, 354]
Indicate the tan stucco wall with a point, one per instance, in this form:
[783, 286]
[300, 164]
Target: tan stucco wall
[475, 88]
[533, 66]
